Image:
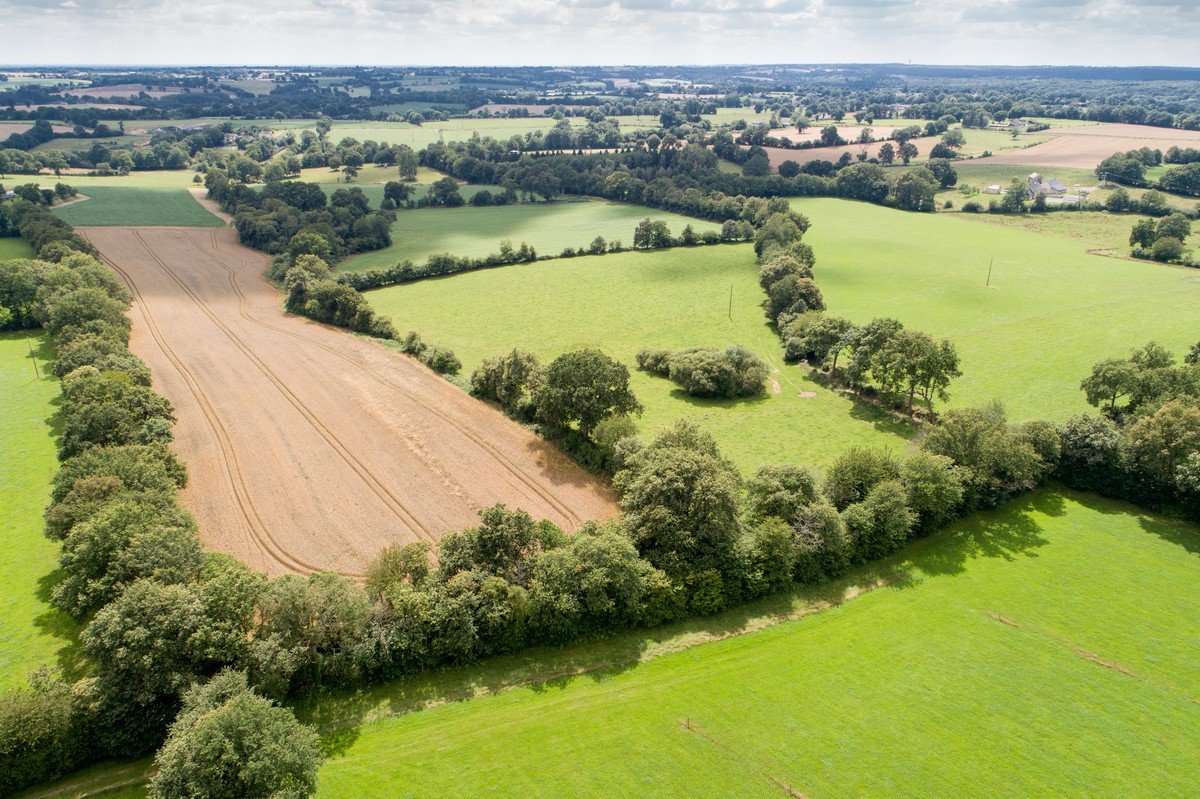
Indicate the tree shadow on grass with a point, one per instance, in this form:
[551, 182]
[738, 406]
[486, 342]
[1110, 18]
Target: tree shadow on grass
[54, 623]
[1009, 532]
[338, 715]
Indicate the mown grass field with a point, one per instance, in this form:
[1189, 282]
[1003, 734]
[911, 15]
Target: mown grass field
[14, 248]
[621, 303]
[984, 174]
[549, 227]
[1091, 230]
[131, 205]
[1051, 312]
[149, 179]
[1044, 649]
[32, 633]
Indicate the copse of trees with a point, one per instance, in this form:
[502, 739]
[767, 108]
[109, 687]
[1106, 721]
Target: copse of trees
[880, 356]
[704, 372]
[1162, 240]
[271, 218]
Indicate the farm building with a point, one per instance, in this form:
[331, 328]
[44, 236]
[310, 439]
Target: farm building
[1037, 184]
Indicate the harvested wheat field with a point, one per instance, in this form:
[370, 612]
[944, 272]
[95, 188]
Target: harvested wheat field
[309, 448]
[1086, 146]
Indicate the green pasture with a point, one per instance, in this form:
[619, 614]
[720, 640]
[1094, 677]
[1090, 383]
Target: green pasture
[623, 302]
[1051, 311]
[419, 136]
[404, 108]
[74, 144]
[1090, 230]
[984, 173]
[979, 140]
[1044, 649]
[252, 85]
[548, 227]
[32, 633]
[130, 205]
[14, 248]
[149, 179]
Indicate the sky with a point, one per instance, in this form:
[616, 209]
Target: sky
[571, 32]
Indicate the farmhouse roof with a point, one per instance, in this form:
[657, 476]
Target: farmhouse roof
[1040, 185]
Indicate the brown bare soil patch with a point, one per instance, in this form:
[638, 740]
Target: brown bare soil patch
[309, 448]
[122, 90]
[1085, 147]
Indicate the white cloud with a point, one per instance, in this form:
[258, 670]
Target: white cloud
[602, 31]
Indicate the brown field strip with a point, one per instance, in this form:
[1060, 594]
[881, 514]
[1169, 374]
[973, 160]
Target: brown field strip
[309, 448]
[1085, 147]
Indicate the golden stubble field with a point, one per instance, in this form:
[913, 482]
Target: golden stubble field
[309, 448]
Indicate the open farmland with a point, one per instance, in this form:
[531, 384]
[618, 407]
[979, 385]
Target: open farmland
[623, 302]
[1086, 146]
[549, 227]
[1051, 312]
[132, 205]
[1044, 649]
[310, 449]
[32, 633]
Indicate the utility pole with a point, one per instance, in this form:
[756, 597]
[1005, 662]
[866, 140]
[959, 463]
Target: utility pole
[988, 285]
[730, 302]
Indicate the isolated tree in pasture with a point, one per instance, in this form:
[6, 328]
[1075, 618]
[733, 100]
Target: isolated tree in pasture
[230, 743]
[584, 387]
[907, 151]
[954, 139]
[887, 153]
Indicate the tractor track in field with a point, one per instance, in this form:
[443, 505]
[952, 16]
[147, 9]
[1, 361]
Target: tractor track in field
[412, 396]
[373, 483]
[375, 449]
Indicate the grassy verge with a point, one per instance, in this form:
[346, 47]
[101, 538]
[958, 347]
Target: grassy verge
[32, 633]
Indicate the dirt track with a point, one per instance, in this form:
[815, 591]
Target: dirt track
[309, 448]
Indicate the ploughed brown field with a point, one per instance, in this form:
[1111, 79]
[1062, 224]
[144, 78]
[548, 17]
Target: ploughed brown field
[1086, 146]
[309, 448]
